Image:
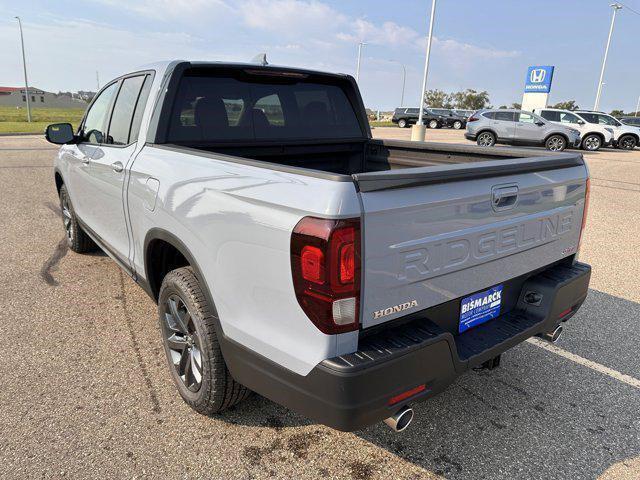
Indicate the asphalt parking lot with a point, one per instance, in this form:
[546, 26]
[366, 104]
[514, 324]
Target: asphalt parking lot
[85, 391]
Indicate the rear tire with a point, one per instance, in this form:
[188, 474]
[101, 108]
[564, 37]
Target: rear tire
[627, 142]
[457, 125]
[402, 123]
[486, 139]
[77, 239]
[187, 323]
[591, 142]
[556, 143]
[433, 124]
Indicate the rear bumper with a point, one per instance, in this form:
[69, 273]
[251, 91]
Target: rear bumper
[470, 136]
[351, 391]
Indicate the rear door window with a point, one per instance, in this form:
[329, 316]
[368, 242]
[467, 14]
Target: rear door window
[551, 115]
[504, 116]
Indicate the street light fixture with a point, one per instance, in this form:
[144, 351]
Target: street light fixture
[24, 65]
[360, 45]
[616, 7]
[418, 130]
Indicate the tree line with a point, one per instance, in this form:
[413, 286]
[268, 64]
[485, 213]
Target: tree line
[470, 99]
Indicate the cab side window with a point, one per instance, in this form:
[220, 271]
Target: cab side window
[123, 110]
[94, 126]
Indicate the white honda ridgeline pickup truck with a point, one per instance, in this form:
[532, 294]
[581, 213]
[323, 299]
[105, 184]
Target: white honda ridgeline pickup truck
[293, 255]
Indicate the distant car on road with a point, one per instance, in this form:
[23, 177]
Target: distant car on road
[633, 121]
[517, 127]
[593, 136]
[406, 117]
[450, 118]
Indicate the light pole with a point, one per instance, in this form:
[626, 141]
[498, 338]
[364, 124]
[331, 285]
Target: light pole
[637, 107]
[616, 7]
[24, 65]
[360, 45]
[404, 80]
[418, 130]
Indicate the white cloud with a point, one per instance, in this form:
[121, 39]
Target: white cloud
[170, 9]
[469, 51]
[389, 33]
[290, 17]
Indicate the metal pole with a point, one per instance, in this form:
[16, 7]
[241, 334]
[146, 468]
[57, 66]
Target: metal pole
[97, 81]
[24, 66]
[360, 45]
[616, 7]
[404, 81]
[637, 107]
[426, 62]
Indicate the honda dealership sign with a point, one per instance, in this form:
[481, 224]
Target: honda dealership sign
[537, 86]
[539, 79]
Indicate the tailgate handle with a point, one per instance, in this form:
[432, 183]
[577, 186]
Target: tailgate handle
[504, 197]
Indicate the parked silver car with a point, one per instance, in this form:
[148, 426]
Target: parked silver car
[517, 127]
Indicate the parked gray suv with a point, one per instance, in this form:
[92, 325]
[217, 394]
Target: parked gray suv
[517, 127]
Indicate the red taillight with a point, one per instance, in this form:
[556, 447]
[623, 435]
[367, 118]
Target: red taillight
[407, 394]
[472, 119]
[584, 212]
[312, 264]
[325, 264]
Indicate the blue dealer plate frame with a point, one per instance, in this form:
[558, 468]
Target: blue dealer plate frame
[480, 307]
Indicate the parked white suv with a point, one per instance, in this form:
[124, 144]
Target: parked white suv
[593, 136]
[625, 137]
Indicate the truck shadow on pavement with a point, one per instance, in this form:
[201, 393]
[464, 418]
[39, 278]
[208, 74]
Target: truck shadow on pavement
[539, 415]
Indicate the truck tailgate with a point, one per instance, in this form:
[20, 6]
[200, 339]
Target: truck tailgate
[434, 234]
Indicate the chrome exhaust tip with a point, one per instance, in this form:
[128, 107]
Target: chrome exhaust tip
[400, 420]
[553, 335]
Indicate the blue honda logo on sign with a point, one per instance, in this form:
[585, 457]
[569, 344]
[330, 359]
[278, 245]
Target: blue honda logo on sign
[539, 79]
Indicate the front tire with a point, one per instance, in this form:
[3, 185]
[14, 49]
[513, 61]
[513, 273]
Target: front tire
[627, 142]
[457, 125]
[402, 123]
[77, 238]
[486, 139]
[555, 143]
[187, 323]
[433, 124]
[591, 142]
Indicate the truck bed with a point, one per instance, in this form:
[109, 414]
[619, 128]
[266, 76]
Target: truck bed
[359, 157]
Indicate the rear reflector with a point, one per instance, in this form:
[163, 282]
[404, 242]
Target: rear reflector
[587, 193]
[407, 394]
[565, 313]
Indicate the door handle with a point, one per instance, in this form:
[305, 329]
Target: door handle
[117, 167]
[504, 198]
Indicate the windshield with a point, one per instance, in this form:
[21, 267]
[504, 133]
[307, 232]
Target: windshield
[236, 106]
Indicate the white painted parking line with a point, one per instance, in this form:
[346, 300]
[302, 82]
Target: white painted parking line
[634, 382]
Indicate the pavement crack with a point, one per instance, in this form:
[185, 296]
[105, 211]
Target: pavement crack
[52, 262]
[136, 347]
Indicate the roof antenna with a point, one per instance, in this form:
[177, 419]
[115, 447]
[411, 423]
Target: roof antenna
[261, 58]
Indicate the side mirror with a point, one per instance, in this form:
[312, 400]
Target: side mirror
[580, 122]
[60, 133]
[539, 123]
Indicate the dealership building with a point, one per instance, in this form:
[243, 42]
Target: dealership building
[17, 97]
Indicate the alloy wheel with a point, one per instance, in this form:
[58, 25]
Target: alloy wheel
[183, 342]
[556, 144]
[457, 125]
[485, 140]
[592, 143]
[433, 124]
[628, 143]
[66, 217]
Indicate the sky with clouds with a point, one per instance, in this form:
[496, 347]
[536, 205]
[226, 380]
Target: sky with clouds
[480, 44]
